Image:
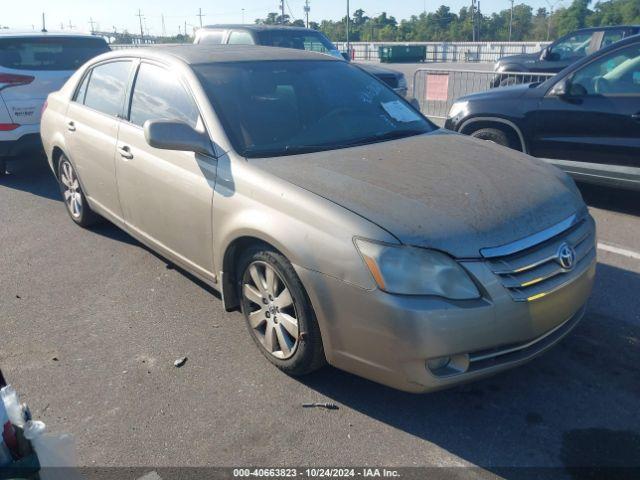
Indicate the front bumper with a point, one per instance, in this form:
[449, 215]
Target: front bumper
[391, 338]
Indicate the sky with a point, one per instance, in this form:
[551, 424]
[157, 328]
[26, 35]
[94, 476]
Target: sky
[107, 14]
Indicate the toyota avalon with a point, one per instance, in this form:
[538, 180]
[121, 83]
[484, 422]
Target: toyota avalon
[344, 225]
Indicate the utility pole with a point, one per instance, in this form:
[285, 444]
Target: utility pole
[348, 22]
[164, 28]
[185, 29]
[243, 16]
[200, 16]
[139, 15]
[473, 20]
[307, 9]
[44, 23]
[282, 10]
[511, 20]
[92, 24]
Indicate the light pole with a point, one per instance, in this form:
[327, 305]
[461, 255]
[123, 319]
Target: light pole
[511, 20]
[348, 39]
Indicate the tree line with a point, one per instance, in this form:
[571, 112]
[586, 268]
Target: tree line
[445, 25]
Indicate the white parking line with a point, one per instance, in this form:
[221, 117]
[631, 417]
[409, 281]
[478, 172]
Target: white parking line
[620, 251]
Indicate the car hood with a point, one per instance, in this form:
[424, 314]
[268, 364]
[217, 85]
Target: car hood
[522, 59]
[440, 190]
[514, 91]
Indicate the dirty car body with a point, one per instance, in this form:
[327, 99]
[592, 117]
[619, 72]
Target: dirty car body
[428, 258]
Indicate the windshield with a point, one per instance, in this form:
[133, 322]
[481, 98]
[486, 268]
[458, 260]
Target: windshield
[286, 107]
[298, 39]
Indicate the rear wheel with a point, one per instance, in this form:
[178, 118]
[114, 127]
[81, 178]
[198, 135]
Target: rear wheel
[278, 313]
[493, 135]
[73, 196]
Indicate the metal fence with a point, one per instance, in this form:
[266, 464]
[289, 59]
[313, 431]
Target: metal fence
[482, 52]
[437, 89]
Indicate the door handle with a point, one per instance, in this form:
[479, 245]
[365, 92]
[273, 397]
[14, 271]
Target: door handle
[125, 152]
[71, 126]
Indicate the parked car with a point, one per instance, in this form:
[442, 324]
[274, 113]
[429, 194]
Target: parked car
[291, 37]
[343, 223]
[585, 120]
[32, 65]
[561, 53]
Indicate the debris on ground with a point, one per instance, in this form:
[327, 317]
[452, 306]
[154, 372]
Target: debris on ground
[328, 406]
[180, 362]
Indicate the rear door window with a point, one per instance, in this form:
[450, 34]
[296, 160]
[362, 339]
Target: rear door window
[612, 36]
[240, 38]
[213, 37]
[49, 53]
[107, 87]
[158, 95]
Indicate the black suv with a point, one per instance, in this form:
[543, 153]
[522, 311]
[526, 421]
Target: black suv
[291, 37]
[563, 52]
[586, 119]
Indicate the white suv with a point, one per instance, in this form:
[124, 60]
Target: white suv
[32, 65]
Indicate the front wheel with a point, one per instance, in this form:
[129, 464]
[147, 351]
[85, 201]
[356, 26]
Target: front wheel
[73, 196]
[278, 313]
[492, 135]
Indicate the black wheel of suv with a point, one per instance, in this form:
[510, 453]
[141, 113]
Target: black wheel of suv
[278, 313]
[493, 135]
[73, 196]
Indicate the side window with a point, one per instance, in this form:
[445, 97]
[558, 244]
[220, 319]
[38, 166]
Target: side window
[240, 38]
[158, 95]
[107, 87]
[211, 38]
[611, 36]
[574, 46]
[615, 74]
[82, 91]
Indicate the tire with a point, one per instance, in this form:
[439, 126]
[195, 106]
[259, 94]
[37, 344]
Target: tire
[72, 195]
[493, 135]
[283, 326]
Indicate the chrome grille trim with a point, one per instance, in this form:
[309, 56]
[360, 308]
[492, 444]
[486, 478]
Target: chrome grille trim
[535, 272]
[535, 239]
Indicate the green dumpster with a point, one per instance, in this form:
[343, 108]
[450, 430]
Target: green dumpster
[402, 53]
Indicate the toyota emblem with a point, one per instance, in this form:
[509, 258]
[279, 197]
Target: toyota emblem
[566, 256]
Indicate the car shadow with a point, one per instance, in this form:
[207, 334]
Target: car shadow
[33, 175]
[542, 414]
[608, 198]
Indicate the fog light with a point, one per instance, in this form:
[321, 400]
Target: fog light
[438, 363]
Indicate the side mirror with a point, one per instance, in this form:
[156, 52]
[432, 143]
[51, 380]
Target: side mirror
[544, 54]
[174, 135]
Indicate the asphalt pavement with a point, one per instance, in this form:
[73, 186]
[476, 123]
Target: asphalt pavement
[92, 323]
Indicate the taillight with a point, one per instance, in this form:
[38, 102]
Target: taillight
[11, 80]
[7, 127]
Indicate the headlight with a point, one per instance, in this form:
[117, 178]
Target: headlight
[458, 108]
[416, 271]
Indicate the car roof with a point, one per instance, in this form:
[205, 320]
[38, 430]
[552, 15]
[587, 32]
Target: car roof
[257, 27]
[32, 34]
[608, 27]
[192, 54]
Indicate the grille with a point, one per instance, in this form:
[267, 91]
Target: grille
[536, 271]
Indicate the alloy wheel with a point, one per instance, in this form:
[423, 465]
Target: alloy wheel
[271, 311]
[71, 189]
